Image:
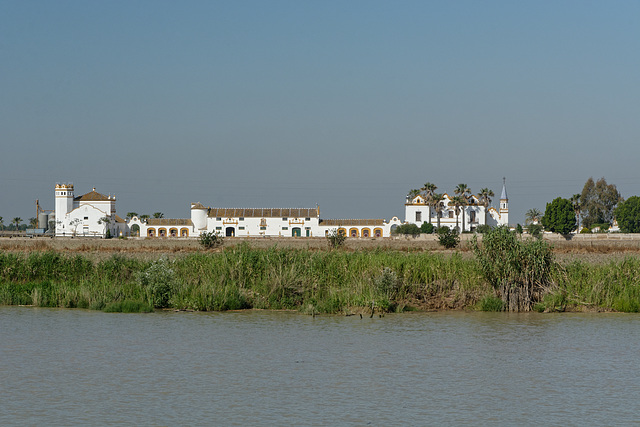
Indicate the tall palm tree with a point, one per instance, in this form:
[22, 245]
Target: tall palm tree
[429, 189]
[158, 215]
[33, 222]
[144, 217]
[437, 199]
[458, 202]
[17, 221]
[485, 199]
[463, 191]
[532, 216]
[575, 201]
[131, 214]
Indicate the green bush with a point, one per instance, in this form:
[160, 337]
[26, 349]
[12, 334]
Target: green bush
[535, 230]
[128, 306]
[407, 230]
[483, 228]
[448, 237]
[336, 238]
[518, 270]
[210, 239]
[159, 280]
[426, 228]
[491, 303]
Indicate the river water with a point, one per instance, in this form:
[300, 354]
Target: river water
[77, 367]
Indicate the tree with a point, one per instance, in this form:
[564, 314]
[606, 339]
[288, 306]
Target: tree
[575, 201]
[429, 190]
[158, 215]
[463, 191]
[1, 223]
[437, 199]
[336, 238]
[106, 221]
[448, 237]
[426, 228]
[131, 214]
[559, 217]
[628, 215]
[598, 201]
[210, 239]
[33, 222]
[17, 221]
[413, 193]
[458, 202]
[485, 200]
[532, 216]
[144, 217]
[74, 223]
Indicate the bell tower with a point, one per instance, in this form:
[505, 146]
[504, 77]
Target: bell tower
[504, 204]
[64, 200]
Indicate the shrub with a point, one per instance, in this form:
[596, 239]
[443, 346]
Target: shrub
[560, 216]
[585, 230]
[535, 230]
[128, 306]
[426, 228]
[519, 229]
[158, 280]
[519, 270]
[491, 303]
[483, 228]
[407, 229]
[210, 239]
[448, 237]
[336, 238]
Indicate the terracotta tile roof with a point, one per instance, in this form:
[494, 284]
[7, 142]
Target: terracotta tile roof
[92, 196]
[263, 213]
[169, 221]
[198, 205]
[350, 222]
[118, 219]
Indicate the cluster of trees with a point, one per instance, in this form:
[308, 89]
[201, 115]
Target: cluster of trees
[595, 208]
[462, 198]
[17, 224]
[145, 216]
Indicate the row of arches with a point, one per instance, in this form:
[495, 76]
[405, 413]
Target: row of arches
[163, 232]
[365, 232]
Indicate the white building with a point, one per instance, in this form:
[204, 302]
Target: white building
[92, 214]
[259, 222]
[418, 211]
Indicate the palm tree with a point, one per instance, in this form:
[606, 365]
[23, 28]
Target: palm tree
[437, 199]
[532, 216]
[429, 189]
[144, 217]
[131, 214]
[412, 194]
[33, 222]
[458, 202]
[575, 201]
[462, 191]
[158, 215]
[485, 199]
[17, 221]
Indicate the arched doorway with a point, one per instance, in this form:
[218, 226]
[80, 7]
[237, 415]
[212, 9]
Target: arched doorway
[230, 232]
[184, 232]
[353, 232]
[135, 230]
[377, 232]
[151, 232]
[162, 232]
[366, 232]
[173, 232]
[296, 232]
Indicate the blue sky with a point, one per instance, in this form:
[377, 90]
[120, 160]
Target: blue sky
[291, 103]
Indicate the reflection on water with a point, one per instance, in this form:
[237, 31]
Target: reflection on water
[83, 367]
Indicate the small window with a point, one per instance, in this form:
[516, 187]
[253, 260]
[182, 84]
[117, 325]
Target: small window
[240, 228]
[218, 219]
[218, 228]
[418, 216]
[263, 228]
[307, 228]
[284, 219]
[241, 218]
[86, 218]
[450, 214]
[285, 228]
[307, 219]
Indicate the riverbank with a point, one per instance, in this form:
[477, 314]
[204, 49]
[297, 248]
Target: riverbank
[313, 281]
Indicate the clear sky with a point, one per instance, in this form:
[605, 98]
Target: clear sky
[347, 104]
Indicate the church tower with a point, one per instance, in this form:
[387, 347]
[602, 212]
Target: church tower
[504, 204]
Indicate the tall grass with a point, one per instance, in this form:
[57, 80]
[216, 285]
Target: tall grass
[281, 278]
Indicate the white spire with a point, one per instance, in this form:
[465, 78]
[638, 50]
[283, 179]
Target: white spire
[504, 196]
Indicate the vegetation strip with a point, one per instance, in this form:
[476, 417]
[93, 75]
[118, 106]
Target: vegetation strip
[331, 281]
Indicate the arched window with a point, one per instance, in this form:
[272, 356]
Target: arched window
[184, 232]
[162, 232]
[377, 232]
[353, 232]
[151, 232]
[173, 232]
[366, 232]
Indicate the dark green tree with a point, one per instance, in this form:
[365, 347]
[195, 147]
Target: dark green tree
[408, 229]
[628, 215]
[426, 228]
[559, 217]
[598, 201]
